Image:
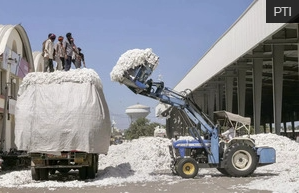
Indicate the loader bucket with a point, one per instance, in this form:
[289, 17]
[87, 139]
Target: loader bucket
[134, 68]
[135, 79]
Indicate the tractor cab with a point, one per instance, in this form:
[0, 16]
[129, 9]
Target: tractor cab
[239, 124]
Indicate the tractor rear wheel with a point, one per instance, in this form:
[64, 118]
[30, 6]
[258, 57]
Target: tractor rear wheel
[187, 168]
[240, 160]
[223, 171]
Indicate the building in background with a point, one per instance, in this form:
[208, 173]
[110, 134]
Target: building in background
[16, 61]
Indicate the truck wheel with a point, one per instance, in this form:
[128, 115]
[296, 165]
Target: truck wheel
[82, 173]
[91, 170]
[187, 168]
[240, 160]
[223, 171]
[44, 173]
[97, 163]
[96, 167]
[35, 173]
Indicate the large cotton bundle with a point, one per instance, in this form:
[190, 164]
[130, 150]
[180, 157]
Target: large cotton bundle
[62, 111]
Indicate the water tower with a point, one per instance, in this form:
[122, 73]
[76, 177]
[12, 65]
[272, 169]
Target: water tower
[137, 111]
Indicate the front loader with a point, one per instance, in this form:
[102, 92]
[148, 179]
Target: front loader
[238, 157]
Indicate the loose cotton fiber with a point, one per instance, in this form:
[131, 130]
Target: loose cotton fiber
[132, 59]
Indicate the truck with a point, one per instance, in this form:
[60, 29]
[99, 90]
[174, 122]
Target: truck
[62, 121]
[237, 157]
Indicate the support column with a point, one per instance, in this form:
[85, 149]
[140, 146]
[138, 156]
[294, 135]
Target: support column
[217, 97]
[257, 93]
[229, 81]
[278, 59]
[205, 102]
[201, 102]
[211, 103]
[241, 92]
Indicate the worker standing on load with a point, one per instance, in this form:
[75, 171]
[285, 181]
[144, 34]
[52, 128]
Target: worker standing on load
[69, 48]
[79, 59]
[60, 54]
[49, 53]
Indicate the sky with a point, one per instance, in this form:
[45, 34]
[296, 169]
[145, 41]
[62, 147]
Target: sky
[180, 32]
[124, 165]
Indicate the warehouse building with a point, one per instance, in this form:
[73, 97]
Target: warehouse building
[252, 70]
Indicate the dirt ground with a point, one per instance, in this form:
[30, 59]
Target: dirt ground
[219, 184]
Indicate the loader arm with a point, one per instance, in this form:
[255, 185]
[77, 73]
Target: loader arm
[139, 84]
[238, 157]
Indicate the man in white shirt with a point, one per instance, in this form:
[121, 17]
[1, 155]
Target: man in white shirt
[49, 53]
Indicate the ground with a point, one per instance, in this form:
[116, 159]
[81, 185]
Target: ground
[203, 184]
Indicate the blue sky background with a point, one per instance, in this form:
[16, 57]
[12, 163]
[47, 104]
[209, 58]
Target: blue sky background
[180, 32]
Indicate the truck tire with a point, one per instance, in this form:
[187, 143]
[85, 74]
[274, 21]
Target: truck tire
[187, 168]
[240, 160]
[35, 173]
[44, 173]
[82, 173]
[97, 160]
[91, 170]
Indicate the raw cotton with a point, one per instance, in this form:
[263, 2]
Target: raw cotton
[147, 159]
[132, 59]
[83, 75]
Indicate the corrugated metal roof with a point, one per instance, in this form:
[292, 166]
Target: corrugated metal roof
[245, 34]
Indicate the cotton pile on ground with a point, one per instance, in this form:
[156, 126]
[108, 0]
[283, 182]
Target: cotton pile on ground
[147, 159]
[131, 59]
[285, 170]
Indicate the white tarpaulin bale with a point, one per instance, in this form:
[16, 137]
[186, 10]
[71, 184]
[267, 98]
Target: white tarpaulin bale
[62, 111]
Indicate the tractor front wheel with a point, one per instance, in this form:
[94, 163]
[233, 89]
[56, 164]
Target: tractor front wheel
[187, 168]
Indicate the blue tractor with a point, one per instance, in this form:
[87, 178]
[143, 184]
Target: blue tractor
[238, 157]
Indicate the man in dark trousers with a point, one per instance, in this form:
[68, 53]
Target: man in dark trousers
[69, 47]
[79, 59]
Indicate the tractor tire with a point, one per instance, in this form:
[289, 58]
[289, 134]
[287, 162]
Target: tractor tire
[35, 173]
[187, 168]
[44, 173]
[223, 171]
[174, 167]
[240, 160]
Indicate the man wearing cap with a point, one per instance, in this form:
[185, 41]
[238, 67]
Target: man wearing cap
[60, 54]
[49, 53]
